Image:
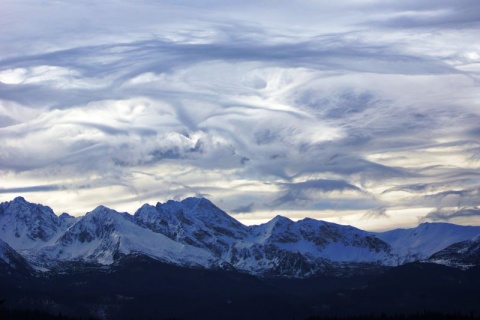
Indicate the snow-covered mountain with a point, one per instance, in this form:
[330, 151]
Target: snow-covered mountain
[196, 233]
[10, 260]
[426, 239]
[321, 239]
[462, 254]
[280, 246]
[25, 225]
[306, 247]
[193, 221]
[103, 235]
[198, 222]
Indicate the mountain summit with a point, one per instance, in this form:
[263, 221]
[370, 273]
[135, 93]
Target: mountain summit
[26, 225]
[195, 233]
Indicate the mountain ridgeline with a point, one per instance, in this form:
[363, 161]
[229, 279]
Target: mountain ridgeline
[191, 260]
[195, 233]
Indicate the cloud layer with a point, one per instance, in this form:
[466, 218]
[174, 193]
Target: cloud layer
[359, 112]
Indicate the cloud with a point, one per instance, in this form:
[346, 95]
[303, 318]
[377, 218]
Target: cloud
[444, 14]
[243, 209]
[313, 105]
[376, 213]
[459, 198]
[430, 187]
[448, 215]
[311, 192]
[30, 189]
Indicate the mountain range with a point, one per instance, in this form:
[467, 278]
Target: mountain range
[195, 233]
[190, 260]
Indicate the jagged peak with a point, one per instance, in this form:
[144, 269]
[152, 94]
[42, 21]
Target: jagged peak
[100, 209]
[276, 224]
[308, 219]
[185, 201]
[189, 202]
[23, 202]
[278, 219]
[145, 206]
[66, 220]
[190, 199]
[19, 199]
[193, 202]
[148, 210]
[311, 221]
[21, 206]
[65, 215]
[104, 212]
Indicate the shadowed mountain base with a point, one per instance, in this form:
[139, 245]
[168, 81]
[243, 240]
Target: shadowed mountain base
[139, 287]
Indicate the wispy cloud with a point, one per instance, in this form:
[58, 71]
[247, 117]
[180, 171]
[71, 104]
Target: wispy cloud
[309, 105]
[451, 215]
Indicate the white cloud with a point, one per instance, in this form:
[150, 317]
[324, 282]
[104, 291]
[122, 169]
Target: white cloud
[314, 103]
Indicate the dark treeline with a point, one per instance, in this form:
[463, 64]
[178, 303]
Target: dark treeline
[416, 316]
[23, 314]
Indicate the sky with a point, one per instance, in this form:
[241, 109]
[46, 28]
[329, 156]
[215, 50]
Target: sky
[361, 112]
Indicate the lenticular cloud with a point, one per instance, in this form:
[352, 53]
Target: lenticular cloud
[311, 109]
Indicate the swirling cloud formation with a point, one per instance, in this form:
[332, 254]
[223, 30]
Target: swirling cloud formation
[360, 112]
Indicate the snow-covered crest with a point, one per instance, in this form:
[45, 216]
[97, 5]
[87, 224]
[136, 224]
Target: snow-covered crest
[426, 239]
[196, 233]
[104, 235]
[25, 225]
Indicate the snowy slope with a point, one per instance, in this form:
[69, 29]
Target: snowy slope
[25, 225]
[103, 235]
[426, 239]
[322, 239]
[279, 246]
[11, 260]
[270, 260]
[193, 221]
[195, 233]
[462, 254]
[198, 222]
